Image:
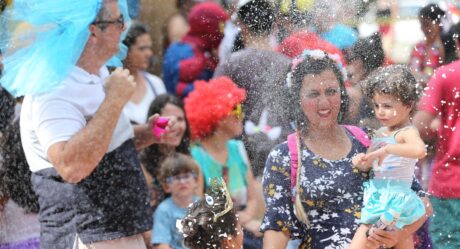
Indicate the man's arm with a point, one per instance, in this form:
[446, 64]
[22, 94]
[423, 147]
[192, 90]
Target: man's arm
[76, 158]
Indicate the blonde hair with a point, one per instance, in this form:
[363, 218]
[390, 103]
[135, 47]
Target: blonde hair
[299, 211]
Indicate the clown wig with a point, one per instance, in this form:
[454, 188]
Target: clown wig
[211, 102]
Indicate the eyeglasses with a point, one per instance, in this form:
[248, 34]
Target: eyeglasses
[180, 178]
[237, 111]
[120, 22]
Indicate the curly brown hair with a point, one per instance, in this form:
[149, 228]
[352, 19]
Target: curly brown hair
[394, 80]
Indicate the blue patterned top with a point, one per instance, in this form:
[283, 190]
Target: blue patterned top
[332, 197]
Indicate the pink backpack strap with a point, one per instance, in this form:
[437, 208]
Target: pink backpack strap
[292, 145]
[359, 134]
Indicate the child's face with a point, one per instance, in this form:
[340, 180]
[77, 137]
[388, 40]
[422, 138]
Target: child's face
[390, 111]
[181, 185]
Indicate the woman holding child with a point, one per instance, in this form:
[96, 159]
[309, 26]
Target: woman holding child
[320, 202]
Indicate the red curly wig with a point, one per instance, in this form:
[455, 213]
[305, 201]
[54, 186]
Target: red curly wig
[209, 103]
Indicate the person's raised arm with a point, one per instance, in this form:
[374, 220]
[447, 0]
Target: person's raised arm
[77, 157]
[412, 146]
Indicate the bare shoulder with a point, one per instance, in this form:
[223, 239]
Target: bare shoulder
[407, 133]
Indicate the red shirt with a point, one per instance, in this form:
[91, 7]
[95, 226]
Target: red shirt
[442, 98]
[424, 59]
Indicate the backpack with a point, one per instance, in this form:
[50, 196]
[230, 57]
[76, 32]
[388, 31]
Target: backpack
[356, 131]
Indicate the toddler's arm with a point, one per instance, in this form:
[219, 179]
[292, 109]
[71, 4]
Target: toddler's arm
[360, 162]
[409, 144]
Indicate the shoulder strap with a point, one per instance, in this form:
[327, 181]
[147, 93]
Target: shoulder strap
[359, 134]
[152, 87]
[402, 129]
[292, 145]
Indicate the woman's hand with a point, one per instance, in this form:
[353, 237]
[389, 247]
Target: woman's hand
[387, 239]
[359, 161]
[379, 155]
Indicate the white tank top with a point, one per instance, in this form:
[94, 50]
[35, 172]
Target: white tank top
[393, 167]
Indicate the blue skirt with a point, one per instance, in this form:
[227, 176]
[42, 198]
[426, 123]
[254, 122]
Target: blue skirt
[383, 195]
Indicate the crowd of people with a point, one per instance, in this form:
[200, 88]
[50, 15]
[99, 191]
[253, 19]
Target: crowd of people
[272, 125]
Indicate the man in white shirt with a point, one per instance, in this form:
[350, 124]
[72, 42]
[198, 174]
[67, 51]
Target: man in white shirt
[82, 150]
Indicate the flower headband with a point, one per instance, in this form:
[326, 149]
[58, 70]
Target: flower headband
[315, 55]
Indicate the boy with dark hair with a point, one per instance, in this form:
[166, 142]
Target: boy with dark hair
[178, 176]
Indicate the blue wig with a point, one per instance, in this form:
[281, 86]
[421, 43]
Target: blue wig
[43, 39]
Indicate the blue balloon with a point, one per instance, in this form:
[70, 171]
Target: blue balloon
[341, 36]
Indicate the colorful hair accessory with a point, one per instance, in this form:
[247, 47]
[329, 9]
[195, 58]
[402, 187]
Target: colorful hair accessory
[315, 54]
[272, 133]
[159, 127]
[209, 200]
[218, 185]
[39, 57]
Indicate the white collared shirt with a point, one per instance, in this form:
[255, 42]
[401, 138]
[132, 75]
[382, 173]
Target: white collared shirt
[56, 116]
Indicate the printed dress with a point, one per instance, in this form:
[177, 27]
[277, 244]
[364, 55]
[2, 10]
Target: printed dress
[331, 195]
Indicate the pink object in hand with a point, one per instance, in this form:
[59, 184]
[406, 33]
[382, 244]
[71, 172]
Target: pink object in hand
[159, 127]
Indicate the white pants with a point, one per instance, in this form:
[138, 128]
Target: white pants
[131, 242]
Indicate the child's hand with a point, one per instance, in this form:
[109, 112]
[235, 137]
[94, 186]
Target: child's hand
[379, 155]
[359, 161]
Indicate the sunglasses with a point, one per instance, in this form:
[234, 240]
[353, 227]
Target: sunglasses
[120, 22]
[237, 111]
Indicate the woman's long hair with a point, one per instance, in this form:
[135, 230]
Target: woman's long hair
[309, 66]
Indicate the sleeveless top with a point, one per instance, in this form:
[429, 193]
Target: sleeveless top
[393, 167]
[234, 171]
[137, 112]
